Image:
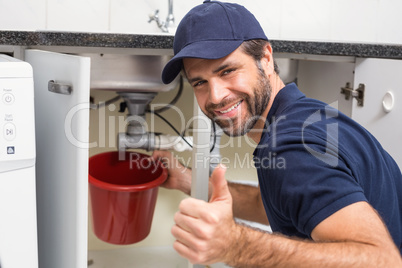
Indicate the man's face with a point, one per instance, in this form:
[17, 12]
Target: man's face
[233, 91]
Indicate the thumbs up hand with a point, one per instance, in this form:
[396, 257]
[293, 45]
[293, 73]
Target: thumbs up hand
[220, 189]
[205, 232]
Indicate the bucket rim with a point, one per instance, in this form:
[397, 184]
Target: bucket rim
[129, 188]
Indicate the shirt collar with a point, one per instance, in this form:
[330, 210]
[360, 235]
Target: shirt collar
[285, 97]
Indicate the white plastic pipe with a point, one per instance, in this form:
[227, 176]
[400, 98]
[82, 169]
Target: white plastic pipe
[167, 142]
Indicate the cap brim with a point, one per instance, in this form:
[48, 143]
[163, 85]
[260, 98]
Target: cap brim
[202, 50]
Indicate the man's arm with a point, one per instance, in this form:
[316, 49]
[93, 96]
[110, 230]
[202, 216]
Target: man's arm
[352, 237]
[247, 203]
[206, 233]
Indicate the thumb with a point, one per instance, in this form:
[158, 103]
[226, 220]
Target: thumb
[220, 189]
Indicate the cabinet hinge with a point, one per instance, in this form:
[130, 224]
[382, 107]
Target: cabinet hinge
[358, 93]
[55, 87]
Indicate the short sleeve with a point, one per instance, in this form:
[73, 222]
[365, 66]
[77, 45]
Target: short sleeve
[313, 182]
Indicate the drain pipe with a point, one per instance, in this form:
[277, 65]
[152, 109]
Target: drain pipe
[215, 155]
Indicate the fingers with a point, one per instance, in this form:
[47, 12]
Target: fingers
[195, 208]
[202, 228]
[186, 252]
[188, 229]
[192, 238]
[163, 156]
[189, 248]
[196, 218]
[168, 159]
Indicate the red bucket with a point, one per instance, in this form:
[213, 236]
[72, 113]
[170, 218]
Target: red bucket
[123, 195]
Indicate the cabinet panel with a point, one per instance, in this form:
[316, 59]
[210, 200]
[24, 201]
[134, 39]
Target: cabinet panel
[322, 80]
[379, 77]
[62, 123]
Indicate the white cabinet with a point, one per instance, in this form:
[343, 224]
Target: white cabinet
[382, 106]
[382, 110]
[62, 123]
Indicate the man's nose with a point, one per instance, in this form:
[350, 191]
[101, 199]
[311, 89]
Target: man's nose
[217, 91]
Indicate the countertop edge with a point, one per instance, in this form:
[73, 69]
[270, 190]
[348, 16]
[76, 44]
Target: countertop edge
[162, 41]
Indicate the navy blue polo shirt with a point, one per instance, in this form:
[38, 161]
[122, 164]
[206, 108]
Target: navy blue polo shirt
[313, 160]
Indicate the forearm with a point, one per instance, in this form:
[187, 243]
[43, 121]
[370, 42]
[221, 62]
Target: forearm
[247, 203]
[257, 249]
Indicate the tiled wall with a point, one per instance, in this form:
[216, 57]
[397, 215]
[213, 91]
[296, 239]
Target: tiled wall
[374, 21]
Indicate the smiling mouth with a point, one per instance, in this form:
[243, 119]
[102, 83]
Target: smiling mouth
[230, 108]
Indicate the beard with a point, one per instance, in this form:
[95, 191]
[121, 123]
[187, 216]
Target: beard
[255, 104]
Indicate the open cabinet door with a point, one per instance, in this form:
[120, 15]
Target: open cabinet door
[381, 112]
[62, 122]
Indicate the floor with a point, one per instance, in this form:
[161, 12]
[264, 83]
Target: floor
[147, 257]
[164, 257]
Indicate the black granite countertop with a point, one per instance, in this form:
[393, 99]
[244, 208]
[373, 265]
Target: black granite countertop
[111, 40]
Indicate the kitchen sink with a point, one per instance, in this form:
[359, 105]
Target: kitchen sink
[128, 73]
[142, 73]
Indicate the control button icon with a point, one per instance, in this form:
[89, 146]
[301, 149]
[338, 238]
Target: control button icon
[8, 98]
[9, 131]
[10, 150]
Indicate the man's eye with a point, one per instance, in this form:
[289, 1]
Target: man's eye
[228, 71]
[198, 83]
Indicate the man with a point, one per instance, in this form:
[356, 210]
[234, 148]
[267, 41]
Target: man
[335, 202]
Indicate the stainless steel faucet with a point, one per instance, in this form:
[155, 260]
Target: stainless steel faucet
[167, 26]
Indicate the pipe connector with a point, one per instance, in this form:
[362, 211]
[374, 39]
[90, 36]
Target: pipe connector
[149, 141]
[177, 143]
[145, 141]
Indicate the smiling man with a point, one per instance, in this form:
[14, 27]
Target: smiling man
[337, 199]
[222, 90]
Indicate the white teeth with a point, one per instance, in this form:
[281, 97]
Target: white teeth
[231, 108]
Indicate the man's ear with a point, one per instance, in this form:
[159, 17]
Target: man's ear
[267, 60]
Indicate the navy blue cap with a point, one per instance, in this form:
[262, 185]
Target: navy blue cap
[211, 30]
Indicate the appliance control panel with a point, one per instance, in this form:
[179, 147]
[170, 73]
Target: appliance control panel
[17, 116]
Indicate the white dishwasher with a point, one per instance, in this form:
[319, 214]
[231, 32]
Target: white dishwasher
[18, 224]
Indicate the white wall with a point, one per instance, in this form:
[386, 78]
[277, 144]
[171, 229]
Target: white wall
[374, 21]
